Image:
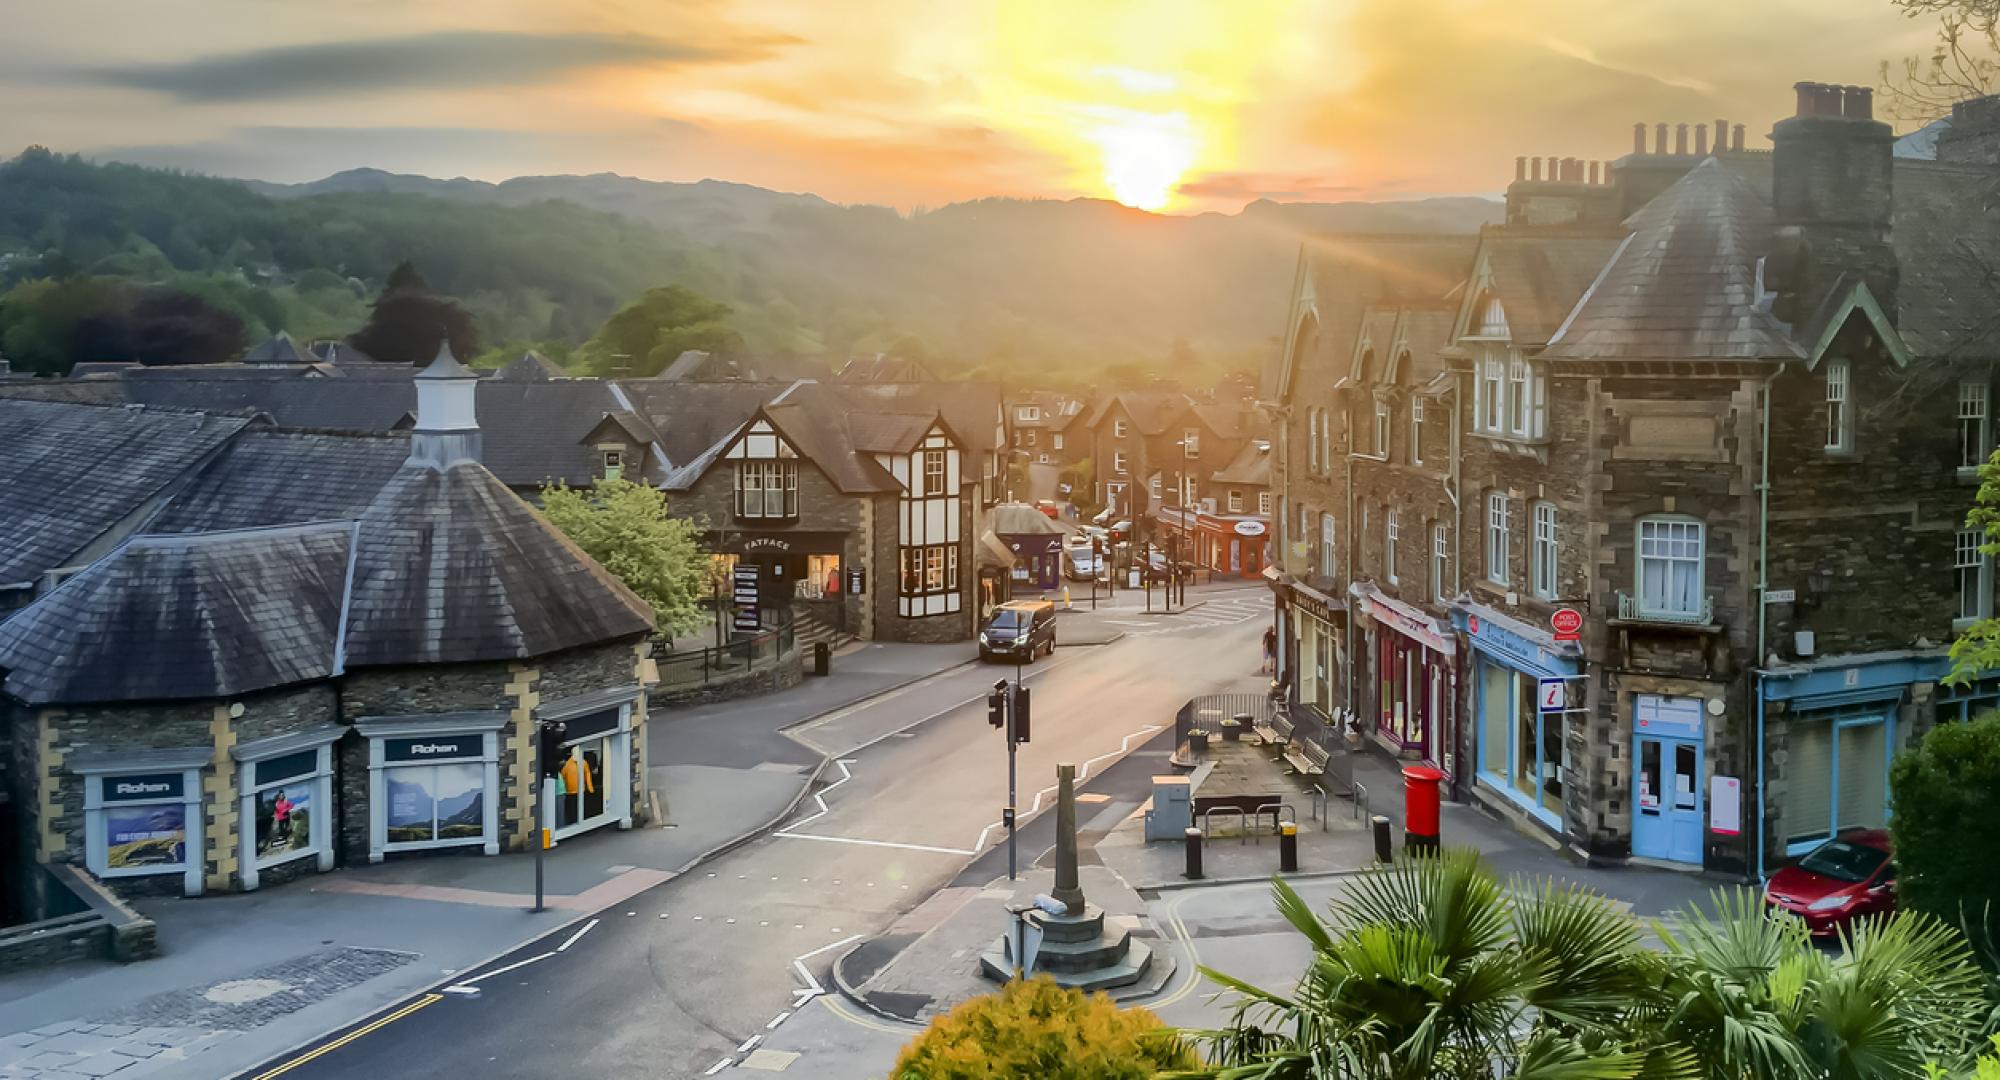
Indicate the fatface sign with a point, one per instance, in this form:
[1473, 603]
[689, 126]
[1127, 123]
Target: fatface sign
[1249, 528]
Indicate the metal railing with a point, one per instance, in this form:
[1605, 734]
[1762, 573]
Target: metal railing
[1630, 607]
[751, 652]
[1210, 710]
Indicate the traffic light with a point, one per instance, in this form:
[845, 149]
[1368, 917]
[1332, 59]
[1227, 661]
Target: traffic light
[1020, 714]
[996, 705]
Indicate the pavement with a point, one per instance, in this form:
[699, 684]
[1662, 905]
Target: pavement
[243, 977]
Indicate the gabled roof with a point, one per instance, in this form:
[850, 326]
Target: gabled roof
[888, 433]
[1340, 277]
[694, 419]
[279, 348]
[1152, 411]
[1250, 467]
[1946, 234]
[342, 354]
[1227, 421]
[76, 471]
[883, 368]
[625, 422]
[1685, 284]
[212, 615]
[1019, 519]
[971, 408]
[1538, 275]
[531, 366]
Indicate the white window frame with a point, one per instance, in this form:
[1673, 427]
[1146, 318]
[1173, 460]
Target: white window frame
[1974, 424]
[1153, 485]
[614, 463]
[1492, 406]
[97, 809]
[1328, 541]
[1028, 413]
[1264, 504]
[1839, 406]
[1382, 429]
[1972, 571]
[1416, 430]
[319, 806]
[1118, 463]
[1520, 401]
[1499, 528]
[1542, 563]
[1670, 530]
[1235, 501]
[1055, 440]
[774, 495]
[1119, 429]
[1191, 443]
[1392, 531]
[1440, 561]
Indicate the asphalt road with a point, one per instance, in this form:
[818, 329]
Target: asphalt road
[681, 980]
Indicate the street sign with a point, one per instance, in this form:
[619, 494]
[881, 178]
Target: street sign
[1553, 694]
[1567, 623]
[1781, 596]
[857, 580]
[743, 590]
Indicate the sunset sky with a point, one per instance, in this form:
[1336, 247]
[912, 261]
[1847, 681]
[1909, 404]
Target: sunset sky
[1180, 105]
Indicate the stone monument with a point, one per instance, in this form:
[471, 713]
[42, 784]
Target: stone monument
[1078, 950]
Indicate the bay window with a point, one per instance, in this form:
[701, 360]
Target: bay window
[1510, 396]
[1670, 567]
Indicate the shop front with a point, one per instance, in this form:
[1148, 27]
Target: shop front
[587, 767]
[1519, 747]
[142, 813]
[1037, 559]
[1226, 545]
[1414, 678]
[791, 563]
[1319, 652]
[433, 782]
[285, 789]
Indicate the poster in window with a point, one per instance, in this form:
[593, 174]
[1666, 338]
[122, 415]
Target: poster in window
[284, 820]
[143, 836]
[436, 802]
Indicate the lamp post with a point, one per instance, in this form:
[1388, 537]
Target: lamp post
[535, 777]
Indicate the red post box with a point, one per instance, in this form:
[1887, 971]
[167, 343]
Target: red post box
[1422, 791]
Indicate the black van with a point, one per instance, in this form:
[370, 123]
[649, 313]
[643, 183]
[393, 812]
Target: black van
[1019, 630]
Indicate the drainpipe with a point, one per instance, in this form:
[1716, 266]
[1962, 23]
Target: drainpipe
[1763, 584]
[1346, 594]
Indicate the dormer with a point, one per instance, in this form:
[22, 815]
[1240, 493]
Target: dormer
[619, 442]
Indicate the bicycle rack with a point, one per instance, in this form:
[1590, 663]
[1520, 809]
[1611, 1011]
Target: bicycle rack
[1319, 805]
[1276, 821]
[1360, 800]
[1208, 815]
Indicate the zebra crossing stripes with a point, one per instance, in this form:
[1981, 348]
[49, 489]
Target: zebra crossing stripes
[1226, 611]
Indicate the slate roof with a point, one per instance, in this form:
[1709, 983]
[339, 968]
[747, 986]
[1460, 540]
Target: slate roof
[1538, 276]
[1348, 274]
[342, 354]
[970, 408]
[1424, 331]
[1152, 411]
[1228, 421]
[692, 418]
[1019, 519]
[71, 391]
[213, 615]
[76, 471]
[87, 369]
[1058, 409]
[1684, 285]
[455, 567]
[882, 368]
[531, 366]
[271, 476]
[1250, 467]
[279, 348]
[1946, 233]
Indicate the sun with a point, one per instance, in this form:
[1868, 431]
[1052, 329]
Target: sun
[1144, 155]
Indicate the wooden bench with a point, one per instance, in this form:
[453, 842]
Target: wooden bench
[1307, 757]
[1275, 729]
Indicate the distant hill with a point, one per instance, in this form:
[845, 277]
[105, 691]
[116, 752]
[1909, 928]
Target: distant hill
[1065, 287]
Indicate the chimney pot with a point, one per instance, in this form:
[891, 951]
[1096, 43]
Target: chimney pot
[1858, 103]
[1659, 139]
[1736, 143]
[1520, 169]
[1535, 168]
[1593, 174]
[1808, 100]
[1701, 141]
[1721, 136]
[1681, 139]
[1638, 138]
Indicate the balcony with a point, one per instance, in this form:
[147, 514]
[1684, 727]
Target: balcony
[1631, 610]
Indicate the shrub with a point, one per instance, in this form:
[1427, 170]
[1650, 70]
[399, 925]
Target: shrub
[1041, 1030]
[1947, 826]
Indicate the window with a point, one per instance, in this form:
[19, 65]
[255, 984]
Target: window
[1118, 429]
[767, 489]
[1031, 438]
[1972, 430]
[1493, 319]
[1975, 576]
[934, 483]
[1839, 415]
[1440, 563]
[1264, 503]
[1312, 440]
[1837, 772]
[614, 464]
[1392, 533]
[1191, 443]
[1154, 485]
[1511, 396]
[1670, 556]
[1492, 392]
[1028, 413]
[1517, 396]
[1055, 440]
[1496, 537]
[1326, 559]
[930, 568]
[1522, 752]
[1118, 463]
[1542, 565]
[1416, 431]
[1235, 501]
[1382, 429]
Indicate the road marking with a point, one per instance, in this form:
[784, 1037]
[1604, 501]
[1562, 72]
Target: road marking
[813, 988]
[778, 1019]
[719, 1066]
[876, 843]
[574, 938]
[1053, 664]
[748, 1043]
[327, 1048]
[842, 1010]
[819, 797]
[499, 971]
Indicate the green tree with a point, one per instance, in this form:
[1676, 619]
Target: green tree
[1946, 790]
[649, 333]
[625, 526]
[1036, 1028]
[408, 321]
[39, 320]
[1435, 970]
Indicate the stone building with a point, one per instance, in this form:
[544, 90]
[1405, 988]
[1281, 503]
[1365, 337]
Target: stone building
[1154, 448]
[1041, 428]
[325, 648]
[1732, 430]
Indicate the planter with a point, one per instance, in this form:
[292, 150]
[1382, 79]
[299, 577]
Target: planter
[1197, 743]
[1232, 731]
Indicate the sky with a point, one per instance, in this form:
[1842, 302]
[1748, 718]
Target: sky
[1172, 105]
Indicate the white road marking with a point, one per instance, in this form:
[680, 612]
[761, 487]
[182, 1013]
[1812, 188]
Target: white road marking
[812, 988]
[748, 1043]
[875, 843]
[458, 986]
[778, 1019]
[719, 1066]
[819, 797]
[573, 938]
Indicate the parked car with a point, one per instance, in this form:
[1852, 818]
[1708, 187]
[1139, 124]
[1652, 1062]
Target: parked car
[1048, 508]
[1019, 630]
[1079, 558]
[1851, 875]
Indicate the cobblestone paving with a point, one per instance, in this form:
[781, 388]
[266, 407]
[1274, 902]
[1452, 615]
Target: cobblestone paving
[156, 1034]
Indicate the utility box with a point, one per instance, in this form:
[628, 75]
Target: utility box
[1172, 814]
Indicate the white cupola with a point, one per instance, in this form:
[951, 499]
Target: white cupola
[447, 430]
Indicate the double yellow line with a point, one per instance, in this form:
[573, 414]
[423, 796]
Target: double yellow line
[328, 1048]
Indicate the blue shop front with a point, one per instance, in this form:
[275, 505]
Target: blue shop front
[1518, 747]
[1037, 559]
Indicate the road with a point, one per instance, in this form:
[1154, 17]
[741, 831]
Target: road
[679, 981]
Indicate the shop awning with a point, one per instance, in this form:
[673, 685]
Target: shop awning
[993, 553]
[1406, 619]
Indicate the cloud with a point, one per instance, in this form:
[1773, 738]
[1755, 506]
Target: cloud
[446, 60]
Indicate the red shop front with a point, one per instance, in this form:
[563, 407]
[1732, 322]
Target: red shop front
[1415, 678]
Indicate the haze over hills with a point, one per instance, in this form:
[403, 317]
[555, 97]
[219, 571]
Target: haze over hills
[994, 284]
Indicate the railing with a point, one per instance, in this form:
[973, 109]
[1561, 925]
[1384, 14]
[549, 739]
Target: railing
[763, 649]
[1210, 710]
[1632, 609]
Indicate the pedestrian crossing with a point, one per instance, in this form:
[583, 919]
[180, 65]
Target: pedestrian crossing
[1221, 611]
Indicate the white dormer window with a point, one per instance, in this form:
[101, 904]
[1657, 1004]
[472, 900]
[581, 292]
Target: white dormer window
[1119, 429]
[1493, 319]
[1510, 395]
[1028, 413]
[1839, 411]
[1235, 501]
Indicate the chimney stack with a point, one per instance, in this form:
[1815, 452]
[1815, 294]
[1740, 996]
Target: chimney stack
[1832, 176]
[1660, 139]
[1681, 140]
[1638, 138]
[1721, 136]
[1534, 168]
[1736, 144]
[447, 431]
[1520, 169]
[1701, 141]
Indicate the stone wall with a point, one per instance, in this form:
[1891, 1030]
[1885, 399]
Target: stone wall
[788, 671]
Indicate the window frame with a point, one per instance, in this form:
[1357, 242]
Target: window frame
[1490, 414]
[1263, 504]
[1119, 428]
[1971, 543]
[1392, 530]
[1416, 429]
[1329, 543]
[1699, 561]
[1499, 537]
[1975, 442]
[1118, 464]
[1838, 379]
[1055, 440]
[1235, 501]
[1545, 550]
[1382, 431]
[1440, 560]
[777, 477]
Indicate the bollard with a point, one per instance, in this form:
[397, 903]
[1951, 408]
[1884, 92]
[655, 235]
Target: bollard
[1381, 825]
[1193, 839]
[822, 657]
[1288, 846]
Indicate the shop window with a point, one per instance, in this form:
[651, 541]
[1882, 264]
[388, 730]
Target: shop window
[1521, 749]
[1974, 442]
[1498, 542]
[767, 489]
[1542, 561]
[287, 799]
[1670, 567]
[145, 819]
[432, 789]
[583, 759]
[1974, 571]
[1839, 411]
[1836, 772]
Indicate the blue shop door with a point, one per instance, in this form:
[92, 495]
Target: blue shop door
[1667, 799]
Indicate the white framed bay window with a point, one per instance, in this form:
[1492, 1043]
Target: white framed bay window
[1670, 554]
[286, 791]
[1511, 395]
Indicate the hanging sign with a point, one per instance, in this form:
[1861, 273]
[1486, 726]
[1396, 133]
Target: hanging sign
[1567, 624]
[1553, 694]
[744, 591]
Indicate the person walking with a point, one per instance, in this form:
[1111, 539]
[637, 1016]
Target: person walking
[1270, 650]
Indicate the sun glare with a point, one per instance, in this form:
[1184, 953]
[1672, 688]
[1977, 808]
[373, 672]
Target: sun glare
[1144, 155]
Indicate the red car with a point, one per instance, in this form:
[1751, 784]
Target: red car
[1851, 875]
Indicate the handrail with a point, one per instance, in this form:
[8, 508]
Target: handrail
[1209, 813]
[745, 653]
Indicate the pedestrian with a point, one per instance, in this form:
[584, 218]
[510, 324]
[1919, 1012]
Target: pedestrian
[1270, 650]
